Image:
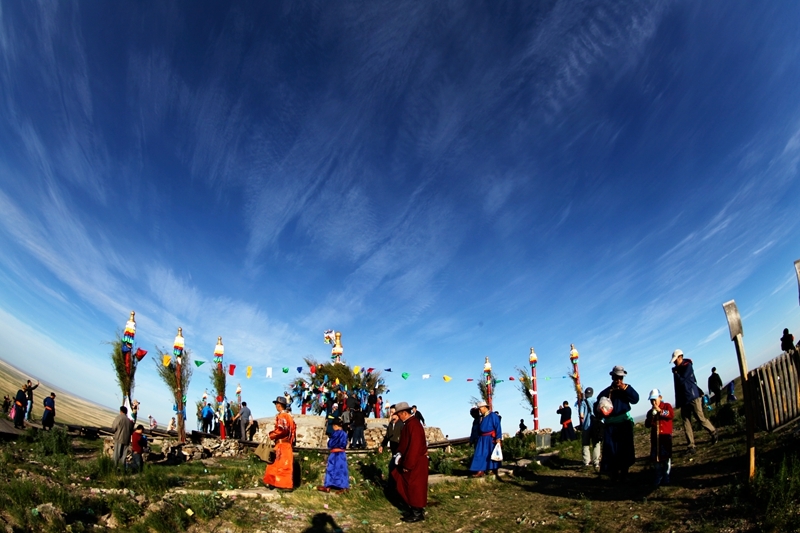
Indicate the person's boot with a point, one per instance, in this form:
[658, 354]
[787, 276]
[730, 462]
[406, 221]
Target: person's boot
[416, 515]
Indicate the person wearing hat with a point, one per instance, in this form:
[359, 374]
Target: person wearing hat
[337, 476]
[659, 420]
[591, 428]
[689, 398]
[411, 472]
[619, 453]
[490, 434]
[279, 474]
[715, 386]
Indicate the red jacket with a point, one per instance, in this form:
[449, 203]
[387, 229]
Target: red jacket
[661, 423]
[136, 442]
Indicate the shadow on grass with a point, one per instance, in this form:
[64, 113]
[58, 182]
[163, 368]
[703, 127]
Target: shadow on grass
[323, 523]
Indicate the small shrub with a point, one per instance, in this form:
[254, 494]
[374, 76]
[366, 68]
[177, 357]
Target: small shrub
[441, 463]
[519, 447]
[778, 494]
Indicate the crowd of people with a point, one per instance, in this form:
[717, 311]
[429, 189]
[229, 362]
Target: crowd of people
[605, 424]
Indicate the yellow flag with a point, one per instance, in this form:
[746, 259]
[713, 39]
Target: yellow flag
[446, 378]
[356, 369]
[337, 381]
[167, 360]
[249, 371]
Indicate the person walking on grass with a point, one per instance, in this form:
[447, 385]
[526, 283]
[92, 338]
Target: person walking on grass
[411, 472]
[337, 476]
[590, 443]
[689, 398]
[122, 428]
[614, 404]
[715, 386]
[490, 435]
[659, 420]
[279, 474]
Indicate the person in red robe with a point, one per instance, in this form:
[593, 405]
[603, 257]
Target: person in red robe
[411, 474]
[279, 473]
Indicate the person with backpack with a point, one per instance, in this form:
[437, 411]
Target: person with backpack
[591, 430]
[689, 398]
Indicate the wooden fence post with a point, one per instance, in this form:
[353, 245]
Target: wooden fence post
[735, 327]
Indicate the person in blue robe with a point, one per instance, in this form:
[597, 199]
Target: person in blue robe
[490, 434]
[337, 476]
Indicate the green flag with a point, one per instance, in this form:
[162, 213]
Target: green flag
[405, 375]
[198, 363]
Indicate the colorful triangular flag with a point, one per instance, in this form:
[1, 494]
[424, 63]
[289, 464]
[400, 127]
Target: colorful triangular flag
[446, 378]
[167, 360]
[299, 369]
[285, 370]
[198, 363]
[231, 369]
[404, 375]
[387, 369]
[369, 370]
[269, 372]
[426, 376]
[356, 369]
[249, 371]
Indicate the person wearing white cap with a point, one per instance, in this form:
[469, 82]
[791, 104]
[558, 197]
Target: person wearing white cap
[659, 420]
[619, 452]
[689, 398]
[490, 434]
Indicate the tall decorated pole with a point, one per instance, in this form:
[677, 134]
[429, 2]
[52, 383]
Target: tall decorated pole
[125, 359]
[576, 376]
[489, 380]
[534, 396]
[218, 379]
[239, 395]
[127, 342]
[177, 351]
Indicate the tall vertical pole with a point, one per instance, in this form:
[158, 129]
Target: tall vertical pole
[177, 351]
[534, 396]
[576, 376]
[797, 271]
[487, 375]
[735, 327]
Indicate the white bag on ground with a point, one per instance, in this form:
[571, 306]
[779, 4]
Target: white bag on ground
[497, 453]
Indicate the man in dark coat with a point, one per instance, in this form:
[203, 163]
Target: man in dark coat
[411, 474]
[372, 400]
[49, 414]
[715, 386]
[567, 429]
[20, 407]
[689, 398]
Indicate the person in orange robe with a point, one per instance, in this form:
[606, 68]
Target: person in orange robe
[279, 473]
[411, 473]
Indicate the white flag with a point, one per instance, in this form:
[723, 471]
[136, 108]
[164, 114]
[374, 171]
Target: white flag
[269, 372]
[426, 376]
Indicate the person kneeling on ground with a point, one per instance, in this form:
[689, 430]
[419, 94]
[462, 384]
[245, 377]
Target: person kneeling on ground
[337, 476]
[659, 420]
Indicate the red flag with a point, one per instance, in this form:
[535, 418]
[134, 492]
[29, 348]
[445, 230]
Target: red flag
[231, 368]
[470, 379]
[369, 370]
[313, 369]
[140, 354]
[511, 378]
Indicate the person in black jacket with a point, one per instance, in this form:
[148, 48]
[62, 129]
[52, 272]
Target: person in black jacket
[787, 341]
[416, 413]
[29, 392]
[567, 429]
[715, 386]
[358, 422]
[393, 431]
[20, 406]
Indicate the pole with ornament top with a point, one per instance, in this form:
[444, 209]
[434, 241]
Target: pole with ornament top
[534, 396]
[487, 375]
[177, 351]
[576, 375]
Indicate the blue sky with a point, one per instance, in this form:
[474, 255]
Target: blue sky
[440, 183]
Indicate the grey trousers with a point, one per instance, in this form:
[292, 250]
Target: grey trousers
[120, 454]
[591, 451]
[695, 408]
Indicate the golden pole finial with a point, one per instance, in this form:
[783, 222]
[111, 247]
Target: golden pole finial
[180, 332]
[219, 340]
[133, 314]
